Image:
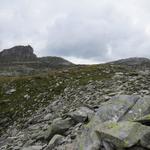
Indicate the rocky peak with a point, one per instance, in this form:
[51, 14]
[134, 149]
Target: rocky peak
[18, 53]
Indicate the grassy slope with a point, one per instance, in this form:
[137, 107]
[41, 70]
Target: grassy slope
[42, 89]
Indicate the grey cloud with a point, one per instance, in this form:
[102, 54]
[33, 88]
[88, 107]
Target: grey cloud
[86, 29]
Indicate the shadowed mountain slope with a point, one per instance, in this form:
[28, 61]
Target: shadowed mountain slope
[20, 60]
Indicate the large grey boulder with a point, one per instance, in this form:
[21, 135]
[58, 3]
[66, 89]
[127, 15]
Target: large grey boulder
[123, 134]
[116, 108]
[120, 135]
[139, 110]
[116, 125]
[88, 140]
[124, 107]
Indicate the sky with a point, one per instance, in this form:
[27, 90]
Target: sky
[82, 31]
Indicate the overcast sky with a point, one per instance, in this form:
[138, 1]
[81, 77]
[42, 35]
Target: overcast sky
[83, 31]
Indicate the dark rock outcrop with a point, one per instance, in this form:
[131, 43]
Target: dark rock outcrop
[18, 53]
[21, 60]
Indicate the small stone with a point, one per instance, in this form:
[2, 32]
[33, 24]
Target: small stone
[55, 141]
[17, 148]
[107, 145]
[48, 117]
[33, 148]
[27, 96]
[9, 92]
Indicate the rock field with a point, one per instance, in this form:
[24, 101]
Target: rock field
[99, 107]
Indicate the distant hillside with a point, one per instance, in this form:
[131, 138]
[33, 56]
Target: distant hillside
[55, 61]
[133, 62]
[21, 60]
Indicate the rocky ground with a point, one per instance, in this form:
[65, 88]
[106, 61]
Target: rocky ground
[100, 107]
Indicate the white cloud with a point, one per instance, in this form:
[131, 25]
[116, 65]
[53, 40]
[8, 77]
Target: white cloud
[76, 60]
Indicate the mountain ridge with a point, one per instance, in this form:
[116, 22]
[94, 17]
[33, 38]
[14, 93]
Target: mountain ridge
[21, 60]
[131, 61]
[17, 53]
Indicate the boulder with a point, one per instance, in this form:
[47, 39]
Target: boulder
[124, 134]
[116, 108]
[55, 141]
[82, 114]
[119, 123]
[59, 126]
[139, 110]
[124, 107]
[87, 141]
[48, 117]
[113, 135]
